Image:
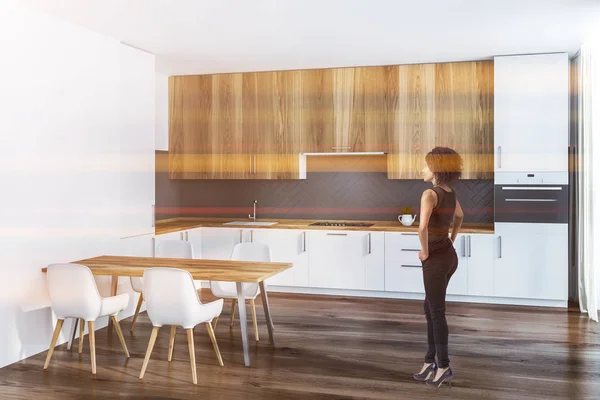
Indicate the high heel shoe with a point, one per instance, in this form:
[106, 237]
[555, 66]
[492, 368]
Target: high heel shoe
[428, 373]
[446, 377]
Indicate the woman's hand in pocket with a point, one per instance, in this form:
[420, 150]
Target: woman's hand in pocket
[423, 256]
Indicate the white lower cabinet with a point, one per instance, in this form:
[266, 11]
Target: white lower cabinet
[480, 264]
[218, 243]
[459, 283]
[167, 236]
[194, 236]
[286, 245]
[403, 269]
[138, 246]
[346, 260]
[531, 261]
[473, 276]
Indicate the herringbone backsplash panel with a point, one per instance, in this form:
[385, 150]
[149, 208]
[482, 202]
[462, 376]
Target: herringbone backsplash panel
[323, 195]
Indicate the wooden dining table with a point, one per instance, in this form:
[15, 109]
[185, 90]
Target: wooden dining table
[210, 270]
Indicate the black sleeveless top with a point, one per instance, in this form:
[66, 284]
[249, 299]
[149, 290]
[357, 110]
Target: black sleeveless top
[441, 219]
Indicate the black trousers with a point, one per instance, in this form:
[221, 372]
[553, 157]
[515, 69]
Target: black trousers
[437, 271]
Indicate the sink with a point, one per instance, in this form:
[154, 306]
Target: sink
[251, 223]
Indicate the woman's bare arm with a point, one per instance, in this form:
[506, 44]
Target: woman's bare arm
[428, 202]
[458, 220]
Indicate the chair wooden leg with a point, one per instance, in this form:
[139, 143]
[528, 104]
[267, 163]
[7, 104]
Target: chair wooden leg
[81, 334]
[233, 304]
[214, 323]
[213, 339]
[57, 329]
[115, 321]
[92, 335]
[171, 342]
[137, 312]
[190, 338]
[253, 307]
[153, 336]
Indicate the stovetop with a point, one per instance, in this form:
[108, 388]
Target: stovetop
[337, 223]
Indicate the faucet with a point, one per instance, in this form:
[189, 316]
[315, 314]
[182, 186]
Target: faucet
[253, 216]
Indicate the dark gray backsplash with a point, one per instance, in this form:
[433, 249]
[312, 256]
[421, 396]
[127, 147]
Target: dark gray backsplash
[322, 195]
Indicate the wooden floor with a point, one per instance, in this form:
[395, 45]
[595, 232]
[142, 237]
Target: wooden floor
[335, 348]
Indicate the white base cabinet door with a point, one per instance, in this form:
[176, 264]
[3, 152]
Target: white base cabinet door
[344, 260]
[138, 246]
[167, 236]
[194, 236]
[531, 261]
[286, 246]
[218, 243]
[480, 270]
[459, 282]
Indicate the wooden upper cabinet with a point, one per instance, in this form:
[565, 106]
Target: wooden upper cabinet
[449, 104]
[345, 109]
[256, 125]
[464, 114]
[411, 129]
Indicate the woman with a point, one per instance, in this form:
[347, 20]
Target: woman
[439, 210]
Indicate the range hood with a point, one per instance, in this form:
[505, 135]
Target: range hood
[347, 153]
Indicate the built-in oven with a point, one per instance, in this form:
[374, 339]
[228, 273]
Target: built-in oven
[531, 203]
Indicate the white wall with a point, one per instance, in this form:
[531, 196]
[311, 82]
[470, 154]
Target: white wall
[59, 164]
[162, 111]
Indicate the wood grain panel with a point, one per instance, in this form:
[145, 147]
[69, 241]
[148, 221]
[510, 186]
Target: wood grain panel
[376, 108]
[317, 110]
[229, 146]
[210, 270]
[176, 135]
[412, 130]
[463, 114]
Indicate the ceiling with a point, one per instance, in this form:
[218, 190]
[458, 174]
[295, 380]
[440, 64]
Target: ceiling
[208, 36]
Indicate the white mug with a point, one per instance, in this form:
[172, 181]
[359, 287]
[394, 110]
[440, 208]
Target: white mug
[407, 219]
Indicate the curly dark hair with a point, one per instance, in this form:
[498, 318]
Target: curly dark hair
[446, 165]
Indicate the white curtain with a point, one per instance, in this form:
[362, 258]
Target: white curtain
[589, 177]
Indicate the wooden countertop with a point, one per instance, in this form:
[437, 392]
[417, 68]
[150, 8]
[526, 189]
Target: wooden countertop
[181, 224]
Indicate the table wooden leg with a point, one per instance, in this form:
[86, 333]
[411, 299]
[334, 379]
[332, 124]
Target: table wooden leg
[243, 322]
[114, 283]
[265, 301]
[72, 334]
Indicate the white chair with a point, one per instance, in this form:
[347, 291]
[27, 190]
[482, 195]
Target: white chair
[74, 294]
[166, 249]
[172, 299]
[227, 290]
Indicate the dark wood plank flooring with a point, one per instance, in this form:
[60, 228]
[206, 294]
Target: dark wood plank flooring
[335, 348]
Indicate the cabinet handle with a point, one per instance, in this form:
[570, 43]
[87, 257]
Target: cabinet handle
[499, 246]
[252, 236]
[153, 247]
[369, 243]
[240, 236]
[469, 247]
[409, 234]
[411, 266]
[337, 234]
[499, 156]
[464, 246]
[180, 235]
[304, 241]
[153, 216]
[410, 250]
[187, 236]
